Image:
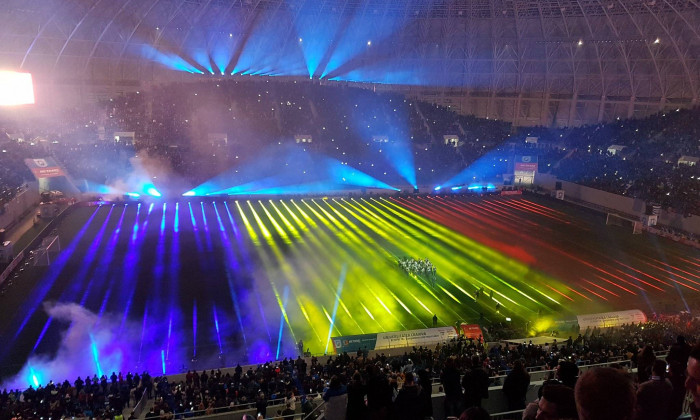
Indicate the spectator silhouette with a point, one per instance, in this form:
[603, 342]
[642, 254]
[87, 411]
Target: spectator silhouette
[654, 396]
[475, 383]
[336, 398]
[357, 410]
[408, 405]
[453, 389]
[604, 394]
[515, 386]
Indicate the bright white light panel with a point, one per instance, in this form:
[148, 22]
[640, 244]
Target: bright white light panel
[16, 88]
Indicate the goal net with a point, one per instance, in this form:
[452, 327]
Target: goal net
[48, 251]
[625, 222]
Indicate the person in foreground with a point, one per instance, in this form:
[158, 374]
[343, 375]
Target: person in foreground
[474, 413]
[692, 381]
[336, 398]
[604, 394]
[654, 396]
[556, 403]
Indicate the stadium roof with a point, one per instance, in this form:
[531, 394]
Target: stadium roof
[638, 55]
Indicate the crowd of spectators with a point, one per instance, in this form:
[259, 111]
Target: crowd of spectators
[92, 397]
[354, 126]
[99, 163]
[13, 172]
[644, 164]
[204, 128]
[464, 368]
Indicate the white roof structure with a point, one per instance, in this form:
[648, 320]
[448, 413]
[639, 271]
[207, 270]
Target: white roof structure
[563, 62]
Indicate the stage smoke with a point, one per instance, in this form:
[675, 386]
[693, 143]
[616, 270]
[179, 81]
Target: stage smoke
[150, 173]
[90, 344]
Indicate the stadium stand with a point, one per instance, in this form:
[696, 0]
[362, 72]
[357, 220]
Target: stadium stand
[183, 114]
[296, 382]
[609, 90]
[13, 173]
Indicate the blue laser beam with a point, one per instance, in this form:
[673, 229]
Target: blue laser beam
[341, 282]
[284, 308]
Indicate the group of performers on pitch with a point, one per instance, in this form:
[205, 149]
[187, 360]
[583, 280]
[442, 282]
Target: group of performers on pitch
[421, 268]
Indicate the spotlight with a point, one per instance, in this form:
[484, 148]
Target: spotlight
[153, 192]
[188, 194]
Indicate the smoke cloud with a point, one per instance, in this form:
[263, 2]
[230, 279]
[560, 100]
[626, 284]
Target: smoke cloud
[150, 171]
[88, 346]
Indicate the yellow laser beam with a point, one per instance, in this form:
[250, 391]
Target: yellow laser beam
[281, 232]
[248, 226]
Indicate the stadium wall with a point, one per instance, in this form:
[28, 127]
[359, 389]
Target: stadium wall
[626, 205]
[609, 202]
[18, 206]
[677, 221]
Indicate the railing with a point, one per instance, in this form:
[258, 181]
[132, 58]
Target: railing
[224, 413]
[141, 404]
[508, 415]
[315, 412]
[518, 414]
[249, 408]
[11, 267]
[586, 364]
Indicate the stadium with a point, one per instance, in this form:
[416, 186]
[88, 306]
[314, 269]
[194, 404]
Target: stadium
[383, 190]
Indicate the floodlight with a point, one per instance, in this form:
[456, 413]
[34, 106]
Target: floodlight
[16, 88]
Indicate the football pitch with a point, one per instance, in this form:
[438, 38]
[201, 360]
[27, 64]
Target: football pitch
[165, 285]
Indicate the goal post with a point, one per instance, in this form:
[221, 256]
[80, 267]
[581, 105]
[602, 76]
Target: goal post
[48, 251]
[637, 228]
[625, 222]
